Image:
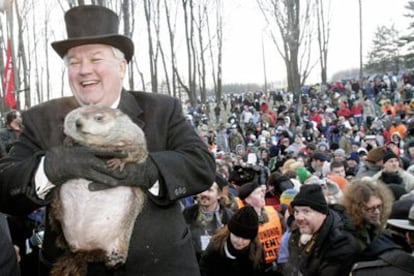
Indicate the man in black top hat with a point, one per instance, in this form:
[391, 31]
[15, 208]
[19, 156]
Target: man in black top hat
[178, 165]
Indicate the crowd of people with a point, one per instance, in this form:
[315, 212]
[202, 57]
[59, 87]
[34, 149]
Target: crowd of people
[327, 174]
[320, 183]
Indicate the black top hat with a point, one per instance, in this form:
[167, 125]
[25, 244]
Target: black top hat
[90, 24]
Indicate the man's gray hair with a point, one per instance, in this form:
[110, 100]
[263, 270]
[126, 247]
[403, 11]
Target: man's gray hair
[118, 54]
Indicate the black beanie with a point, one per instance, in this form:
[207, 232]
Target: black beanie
[244, 223]
[221, 181]
[311, 195]
[388, 155]
[247, 189]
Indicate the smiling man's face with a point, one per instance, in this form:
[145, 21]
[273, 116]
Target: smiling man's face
[95, 74]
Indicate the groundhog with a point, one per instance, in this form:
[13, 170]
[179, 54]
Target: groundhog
[96, 226]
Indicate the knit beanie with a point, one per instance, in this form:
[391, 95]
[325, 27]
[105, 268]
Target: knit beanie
[287, 196]
[247, 189]
[244, 223]
[389, 154]
[312, 196]
[303, 174]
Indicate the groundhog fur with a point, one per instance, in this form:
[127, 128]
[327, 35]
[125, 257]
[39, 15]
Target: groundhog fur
[96, 226]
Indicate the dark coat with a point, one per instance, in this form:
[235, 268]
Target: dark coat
[216, 263]
[392, 257]
[333, 253]
[8, 259]
[197, 229]
[161, 241]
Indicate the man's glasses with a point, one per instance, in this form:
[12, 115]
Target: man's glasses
[373, 208]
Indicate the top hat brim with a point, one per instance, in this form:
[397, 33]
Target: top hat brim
[401, 223]
[120, 42]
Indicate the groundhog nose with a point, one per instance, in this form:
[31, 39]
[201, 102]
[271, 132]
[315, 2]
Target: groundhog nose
[78, 123]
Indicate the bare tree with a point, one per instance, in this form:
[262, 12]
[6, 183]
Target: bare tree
[291, 22]
[190, 87]
[323, 28]
[171, 33]
[361, 66]
[128, 10]
[152, 18]
[216, 66]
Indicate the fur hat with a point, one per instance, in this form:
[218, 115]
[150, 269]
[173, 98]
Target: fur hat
[312, 196]
[244, 223]
[242, 175]
[90, 24]
[375, 154]
[389, 154]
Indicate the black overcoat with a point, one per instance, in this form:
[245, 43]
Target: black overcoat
[161, 242]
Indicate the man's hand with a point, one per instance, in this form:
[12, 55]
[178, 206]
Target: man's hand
[64, 163]
[134, 175]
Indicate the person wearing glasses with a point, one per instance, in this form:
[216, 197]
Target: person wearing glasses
[368, 204]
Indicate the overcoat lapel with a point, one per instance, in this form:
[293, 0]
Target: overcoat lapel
[131, 107]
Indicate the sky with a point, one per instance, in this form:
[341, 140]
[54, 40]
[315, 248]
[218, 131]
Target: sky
[243, 61]
[244, 31]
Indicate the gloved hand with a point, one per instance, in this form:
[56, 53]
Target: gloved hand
[134, 175]
[64, 163]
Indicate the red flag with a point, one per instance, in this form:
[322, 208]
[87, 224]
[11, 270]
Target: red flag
[9, 88]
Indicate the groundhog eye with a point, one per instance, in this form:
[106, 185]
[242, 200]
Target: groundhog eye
[99, 117]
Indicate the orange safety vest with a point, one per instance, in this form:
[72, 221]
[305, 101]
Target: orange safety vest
[270, 233]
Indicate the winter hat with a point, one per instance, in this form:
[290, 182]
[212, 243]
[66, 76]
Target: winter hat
[244, 223]
[401, 208]
[339, 152]
[241, 175]
[362, 151]
[406, 223]
[389, 154]
[287, 196]
[317, 155]
[323, 144]
[221, 181]
[247, 189]
[375, 154]
[339, 180]
[353, 156]
[311, 195]
[303, 174]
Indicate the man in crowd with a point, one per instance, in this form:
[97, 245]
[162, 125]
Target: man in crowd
[208, 214]
[321, 244]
